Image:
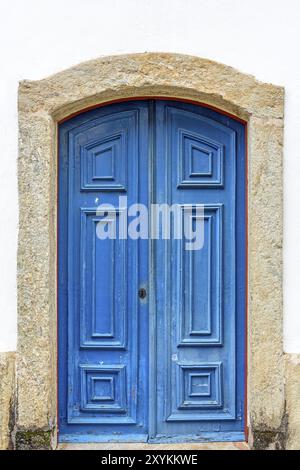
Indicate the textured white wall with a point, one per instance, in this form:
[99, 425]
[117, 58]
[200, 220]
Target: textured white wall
[39, 38]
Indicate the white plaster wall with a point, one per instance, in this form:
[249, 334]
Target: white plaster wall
[38, 38]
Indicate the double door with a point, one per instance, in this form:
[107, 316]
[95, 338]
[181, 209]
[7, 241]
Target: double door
[151, 325]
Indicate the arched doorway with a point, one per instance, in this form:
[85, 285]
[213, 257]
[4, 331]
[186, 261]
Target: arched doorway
[45, 103]
[152, 325]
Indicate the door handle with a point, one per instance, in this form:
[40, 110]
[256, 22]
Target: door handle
[142, 293]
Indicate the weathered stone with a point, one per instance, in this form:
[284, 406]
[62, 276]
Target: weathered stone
[269, 439]
[41, 105]
[292, 362]
[7, 390]
[33, 440]
[110, 78]
[266, 364]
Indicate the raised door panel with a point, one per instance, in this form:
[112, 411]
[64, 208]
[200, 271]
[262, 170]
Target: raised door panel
[199, 278]
[104, 277]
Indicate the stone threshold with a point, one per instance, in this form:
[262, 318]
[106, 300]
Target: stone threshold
[145, 446]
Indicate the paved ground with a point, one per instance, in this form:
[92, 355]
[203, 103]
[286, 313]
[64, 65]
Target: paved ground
[134, 446]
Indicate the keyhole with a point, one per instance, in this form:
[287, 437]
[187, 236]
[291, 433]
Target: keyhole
[142, 293]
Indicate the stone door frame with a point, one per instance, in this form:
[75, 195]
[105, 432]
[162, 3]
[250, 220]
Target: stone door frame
[44, 103]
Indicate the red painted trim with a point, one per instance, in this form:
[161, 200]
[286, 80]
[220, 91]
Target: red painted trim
[145, 98]
[246, 289]
[57, 287]
[183, 100]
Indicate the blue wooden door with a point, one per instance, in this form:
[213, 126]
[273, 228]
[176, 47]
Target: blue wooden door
[200, 315]
[169, 364]
[103, 324]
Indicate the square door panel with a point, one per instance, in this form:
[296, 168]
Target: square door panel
[197, 393]
[103, 388]
[200, 386]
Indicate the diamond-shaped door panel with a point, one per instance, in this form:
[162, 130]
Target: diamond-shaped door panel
[103, 159]
[200, 161]
[103, 164]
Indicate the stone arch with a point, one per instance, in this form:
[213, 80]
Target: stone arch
[42, 104]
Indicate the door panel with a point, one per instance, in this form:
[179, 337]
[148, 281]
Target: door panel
[103, 155]
[200, 389]
[170, 366]
[199, 278]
